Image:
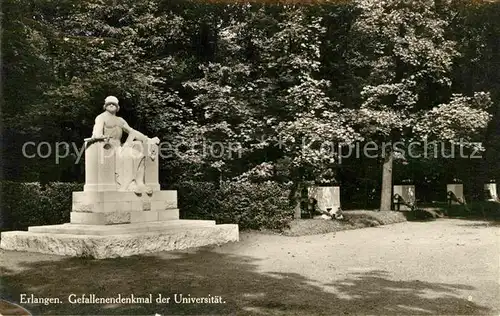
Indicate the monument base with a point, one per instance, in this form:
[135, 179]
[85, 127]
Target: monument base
[122, 240]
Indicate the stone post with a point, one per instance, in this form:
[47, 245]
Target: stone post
[297, 213]
[151, 168]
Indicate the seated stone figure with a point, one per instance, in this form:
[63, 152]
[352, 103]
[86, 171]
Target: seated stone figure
[129, 157]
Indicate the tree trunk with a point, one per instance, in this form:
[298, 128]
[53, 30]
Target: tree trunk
[297, 213]
[386, 193]
[297, 196]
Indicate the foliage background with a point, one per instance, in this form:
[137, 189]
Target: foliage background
[188, 71]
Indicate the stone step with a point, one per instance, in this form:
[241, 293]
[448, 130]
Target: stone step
[121, 245]
[111, 218]
[106, 230]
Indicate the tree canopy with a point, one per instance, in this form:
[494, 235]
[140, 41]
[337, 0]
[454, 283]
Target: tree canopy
[260, 91]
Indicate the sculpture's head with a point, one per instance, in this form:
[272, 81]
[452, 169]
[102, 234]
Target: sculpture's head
[111, 104]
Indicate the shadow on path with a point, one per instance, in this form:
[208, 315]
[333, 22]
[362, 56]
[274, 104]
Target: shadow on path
[245, 290]
[481, 224]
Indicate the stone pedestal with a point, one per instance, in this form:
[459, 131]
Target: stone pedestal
[107, 208]
[490, 190]
[107, 223]
[328, 198]
[458, 190]
[407, 192]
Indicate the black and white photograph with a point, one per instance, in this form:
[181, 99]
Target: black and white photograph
[264, 157]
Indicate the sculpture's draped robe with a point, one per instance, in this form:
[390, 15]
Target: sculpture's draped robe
[129, 157]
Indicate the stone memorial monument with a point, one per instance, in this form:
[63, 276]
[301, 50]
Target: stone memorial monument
[455, 193]
[490, 190]
[404, 197]
[121, 211]
[327, 197]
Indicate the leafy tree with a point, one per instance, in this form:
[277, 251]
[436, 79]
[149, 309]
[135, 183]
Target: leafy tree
[278, 86]
[404, 46]
[28, 37]
[80, 52]
[475, 26]
[264, 91]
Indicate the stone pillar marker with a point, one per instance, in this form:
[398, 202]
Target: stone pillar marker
[490, 190]
[407, 193]
[327, 197]
[457, 189]
[122, 211]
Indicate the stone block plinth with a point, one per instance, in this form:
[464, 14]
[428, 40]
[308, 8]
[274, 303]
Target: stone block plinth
[112, 224]
[98, 241]
[101, 230]
[114, 201]
[113, 207]
[111, 218]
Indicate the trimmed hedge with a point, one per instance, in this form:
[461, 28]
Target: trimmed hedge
[479, 209]
[256, 205]
[198, 200]
[250, 205]
[31, 204]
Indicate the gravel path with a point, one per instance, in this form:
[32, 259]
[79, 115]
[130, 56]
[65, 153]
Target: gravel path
[445, 267]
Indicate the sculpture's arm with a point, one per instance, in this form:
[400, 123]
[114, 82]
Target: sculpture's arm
[133, 134]
[98, 131]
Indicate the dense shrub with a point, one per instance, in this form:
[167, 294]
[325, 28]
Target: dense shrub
[250, 205]
[197, 200]
[255, 205]
[31, 204]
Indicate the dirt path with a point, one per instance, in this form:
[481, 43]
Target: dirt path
[446, 267]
